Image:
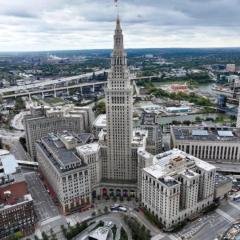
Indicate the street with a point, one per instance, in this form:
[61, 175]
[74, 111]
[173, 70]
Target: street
[44, 206]
[18, 151]
[17, 121]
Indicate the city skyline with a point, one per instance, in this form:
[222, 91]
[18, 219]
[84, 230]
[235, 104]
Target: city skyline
[146, 149]
[73, 25]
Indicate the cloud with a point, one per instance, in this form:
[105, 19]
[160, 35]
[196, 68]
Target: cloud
[82, 24]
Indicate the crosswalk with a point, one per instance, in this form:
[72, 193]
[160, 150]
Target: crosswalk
[162, 235]
[234, 205]
[158, 237]
[225, 215]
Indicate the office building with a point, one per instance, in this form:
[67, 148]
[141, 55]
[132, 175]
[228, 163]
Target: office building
[119, 109]
[216, 144]
[177, 186]
[90, 155]
[44, 120]
[154, 140]
[121, 188]
[67, 174]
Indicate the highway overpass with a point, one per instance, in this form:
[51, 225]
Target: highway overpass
[55, 85]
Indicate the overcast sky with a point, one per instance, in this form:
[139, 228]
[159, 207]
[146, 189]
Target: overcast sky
[32, 25]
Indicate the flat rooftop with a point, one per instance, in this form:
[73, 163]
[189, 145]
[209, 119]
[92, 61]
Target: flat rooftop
[58, 154]
[101, 121]
[13, 193]
[207, 134]
[173, 162]
[139, 135]
[8, 162]
[88, 148]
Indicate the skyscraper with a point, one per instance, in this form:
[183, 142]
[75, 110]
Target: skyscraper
[119, 105]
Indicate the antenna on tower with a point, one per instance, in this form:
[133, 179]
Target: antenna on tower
[117, 7]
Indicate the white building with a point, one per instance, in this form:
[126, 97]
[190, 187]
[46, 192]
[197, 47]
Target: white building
[177, 186]
[217, 144]
[90, 155]
[65, 171]
[99, 124]
[231, 68]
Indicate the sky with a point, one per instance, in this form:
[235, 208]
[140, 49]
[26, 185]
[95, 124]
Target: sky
[44, 25]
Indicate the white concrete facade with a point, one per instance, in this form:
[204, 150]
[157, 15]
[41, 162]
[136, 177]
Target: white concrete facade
[69, 178]
[90, 155]
[177, 186]
[211, 147]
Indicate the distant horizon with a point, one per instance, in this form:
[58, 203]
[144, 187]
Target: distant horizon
[109, 49]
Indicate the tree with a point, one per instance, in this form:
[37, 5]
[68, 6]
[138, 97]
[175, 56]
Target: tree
[36, 237]
[17, 235]
[101, 107]
[106, 209]
[19, 104]
[123, 234]
[44, 236]
[198, 119]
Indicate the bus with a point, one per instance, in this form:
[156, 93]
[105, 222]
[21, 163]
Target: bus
[28, 164]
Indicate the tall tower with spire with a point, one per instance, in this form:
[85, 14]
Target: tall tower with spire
[119, 109]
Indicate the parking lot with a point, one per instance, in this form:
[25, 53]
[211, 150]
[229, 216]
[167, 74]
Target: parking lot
[44, 206]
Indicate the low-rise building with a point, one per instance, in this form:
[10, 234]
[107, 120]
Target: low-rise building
[16, 204]
[101, 233]
[99, 124]
[231, 67]
[217, 144]
[223, 185]
[177, 187]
